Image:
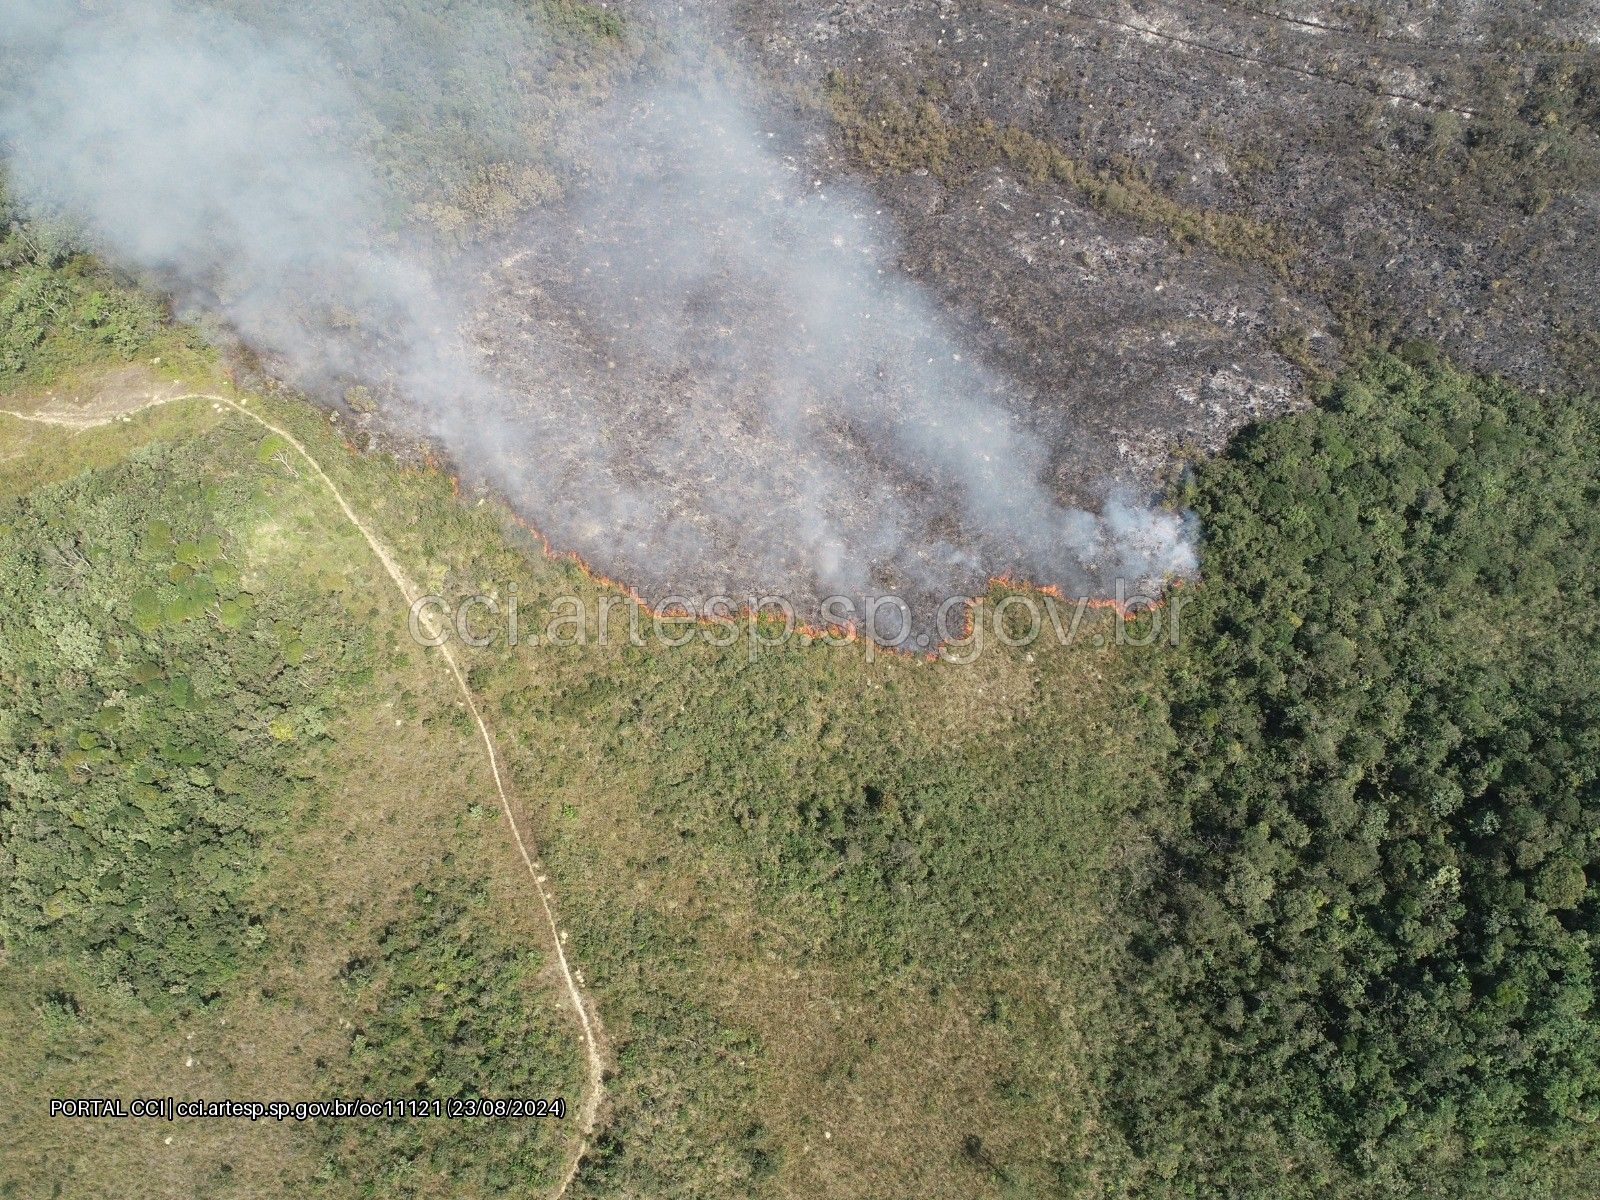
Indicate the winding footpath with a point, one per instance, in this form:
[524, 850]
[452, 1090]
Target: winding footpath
[588, 1019]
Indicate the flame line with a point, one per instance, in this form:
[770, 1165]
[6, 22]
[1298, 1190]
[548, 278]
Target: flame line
[841, 633]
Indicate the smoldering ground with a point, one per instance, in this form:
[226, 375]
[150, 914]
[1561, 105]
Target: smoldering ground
[698, 366]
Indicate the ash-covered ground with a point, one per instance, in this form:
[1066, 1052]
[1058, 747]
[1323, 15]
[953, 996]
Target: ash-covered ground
[1125, 229]
[1428, 169]
[772, 298]
[724, 370]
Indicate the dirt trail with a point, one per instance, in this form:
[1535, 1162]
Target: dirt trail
[98, 399]
[588, 1021]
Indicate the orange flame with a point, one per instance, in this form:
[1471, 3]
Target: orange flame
[845, 633]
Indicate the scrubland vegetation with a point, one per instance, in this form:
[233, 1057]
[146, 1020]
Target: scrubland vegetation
[222, 873]
[1300, 907]
[63, 313]
[157, 695]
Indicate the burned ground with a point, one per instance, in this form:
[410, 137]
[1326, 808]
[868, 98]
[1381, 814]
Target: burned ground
[1142, 225]
[1428, 170]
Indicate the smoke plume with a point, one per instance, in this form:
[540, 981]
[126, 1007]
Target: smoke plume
[679, 351]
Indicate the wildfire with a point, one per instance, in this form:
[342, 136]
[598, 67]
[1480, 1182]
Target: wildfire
[671, 612]
[1012, 583]
[844, 633]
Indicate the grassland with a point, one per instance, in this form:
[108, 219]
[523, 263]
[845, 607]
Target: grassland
[843, 913]
[350, 889]
[781, 875]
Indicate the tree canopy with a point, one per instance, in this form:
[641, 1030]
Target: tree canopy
[1368, 952]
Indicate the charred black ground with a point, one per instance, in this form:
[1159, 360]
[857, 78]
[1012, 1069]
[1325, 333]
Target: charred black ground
[1426, 170]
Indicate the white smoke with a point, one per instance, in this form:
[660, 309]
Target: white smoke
[708, 374]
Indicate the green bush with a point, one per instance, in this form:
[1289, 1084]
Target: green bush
[139, 719]
[1367, 962]
[59, 309]
[444, 1009]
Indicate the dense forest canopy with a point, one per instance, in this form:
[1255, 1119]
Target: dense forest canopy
[1369, 949]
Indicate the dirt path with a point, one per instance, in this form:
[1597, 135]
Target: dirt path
[98, 399]
[588, 1021]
